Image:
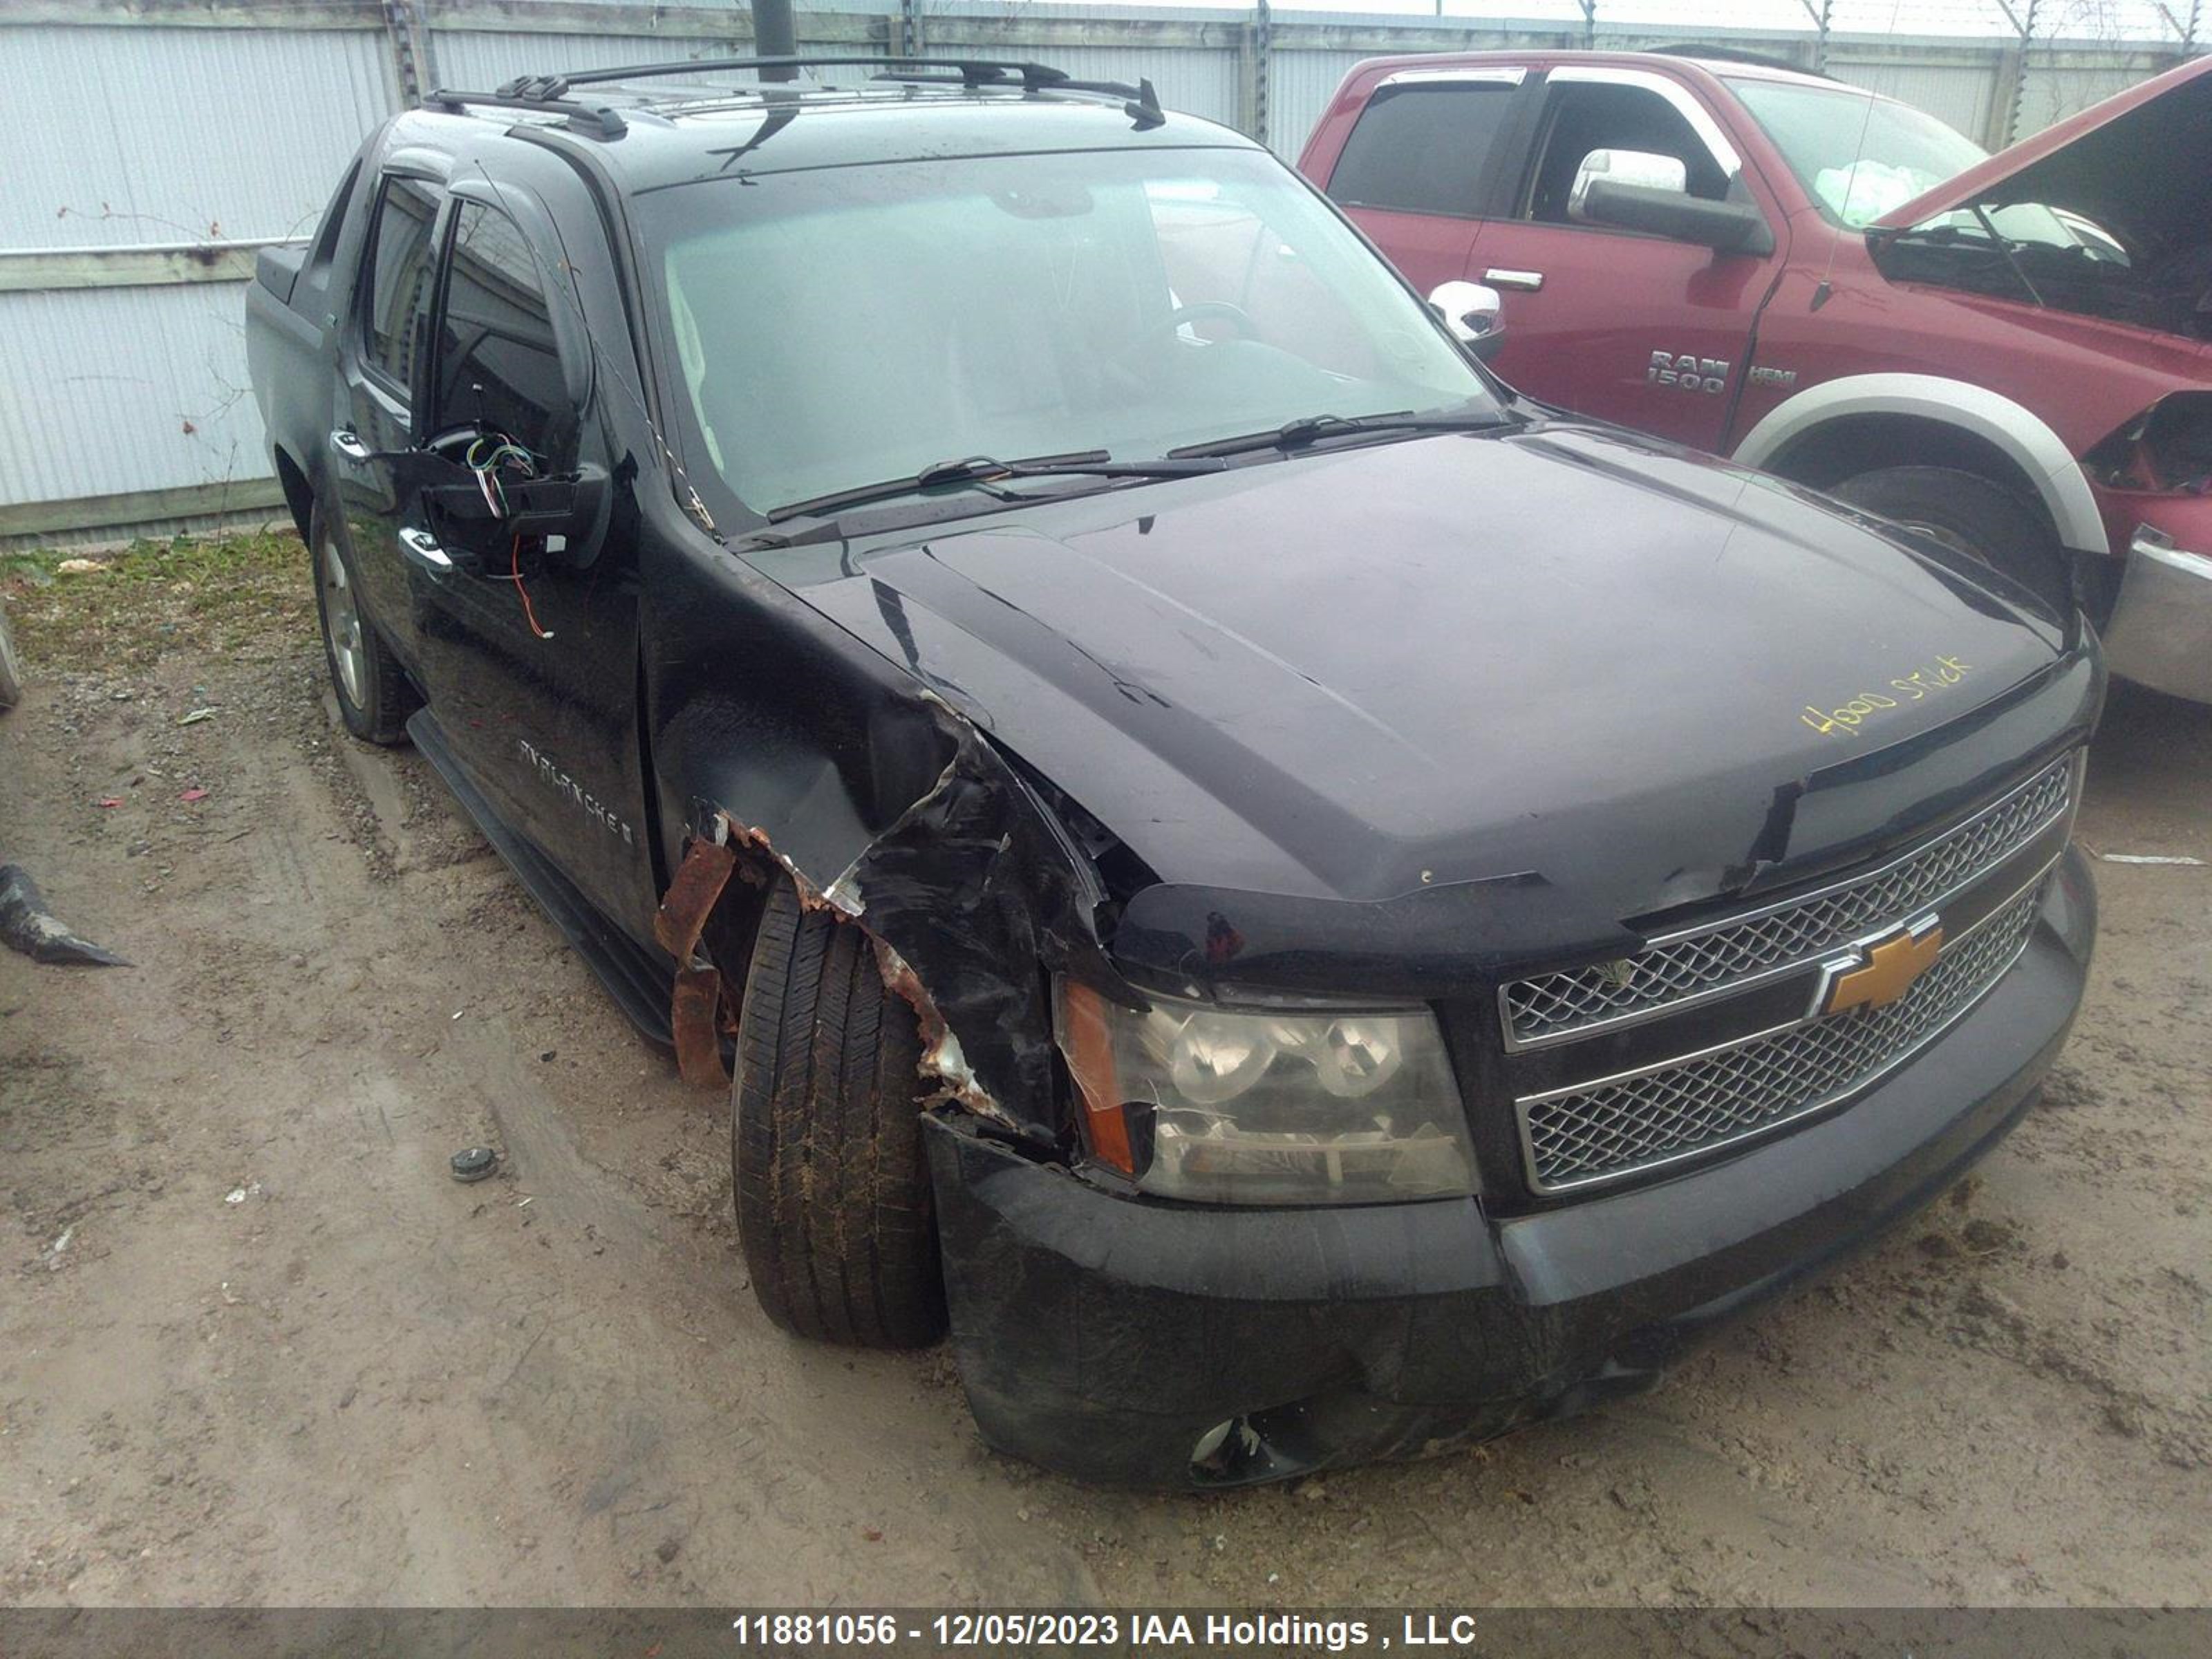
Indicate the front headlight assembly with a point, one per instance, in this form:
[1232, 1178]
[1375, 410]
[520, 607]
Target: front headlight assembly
[1194, 1103]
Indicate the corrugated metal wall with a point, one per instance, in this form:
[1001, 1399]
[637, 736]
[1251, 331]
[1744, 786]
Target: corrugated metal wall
[1300, 83]
[126, 406]
[168, 135]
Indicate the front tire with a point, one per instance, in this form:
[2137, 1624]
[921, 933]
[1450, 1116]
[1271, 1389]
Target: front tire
[374, 697]
[1971, 515]
[832, 1192]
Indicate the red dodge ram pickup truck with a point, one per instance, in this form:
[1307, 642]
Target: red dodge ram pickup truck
[2012, 354]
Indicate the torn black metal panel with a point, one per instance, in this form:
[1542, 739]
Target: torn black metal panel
[984, 897]
[884, 803]
[26, 925]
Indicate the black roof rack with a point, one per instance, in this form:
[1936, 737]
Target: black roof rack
[598, 120]
[549, 93]
[1736, 55]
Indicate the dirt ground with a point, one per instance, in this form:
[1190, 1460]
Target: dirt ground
[256, 1347]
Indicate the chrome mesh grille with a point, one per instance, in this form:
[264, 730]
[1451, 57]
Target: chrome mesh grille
[1726, 952]
[1615, 1129]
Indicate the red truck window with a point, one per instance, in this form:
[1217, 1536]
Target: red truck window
[1423, 147]
[1579, 119]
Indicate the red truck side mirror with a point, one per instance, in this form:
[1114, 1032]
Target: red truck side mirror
[1723, 227]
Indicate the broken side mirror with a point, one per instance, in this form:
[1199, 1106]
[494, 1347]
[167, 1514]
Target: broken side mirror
[1472, 312]
[567, 512]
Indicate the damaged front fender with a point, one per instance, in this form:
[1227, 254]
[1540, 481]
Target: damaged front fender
[972, 897]
[884, 804]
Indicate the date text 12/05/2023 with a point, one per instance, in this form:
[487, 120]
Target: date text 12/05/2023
[1266, 1632]
[1914, 687]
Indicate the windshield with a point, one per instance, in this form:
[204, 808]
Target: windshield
[1857, 156]
[841, 326]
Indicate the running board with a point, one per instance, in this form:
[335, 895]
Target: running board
[641, 984]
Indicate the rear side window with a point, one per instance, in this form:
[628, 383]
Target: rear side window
[498, 367]
[399, 279]
[1423, 147]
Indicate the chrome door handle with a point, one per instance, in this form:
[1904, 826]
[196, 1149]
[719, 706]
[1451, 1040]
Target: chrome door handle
[348, 444]
[421, 546]
[1528, 281]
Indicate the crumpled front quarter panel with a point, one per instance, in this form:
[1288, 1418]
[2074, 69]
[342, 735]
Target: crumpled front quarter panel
[773, 729]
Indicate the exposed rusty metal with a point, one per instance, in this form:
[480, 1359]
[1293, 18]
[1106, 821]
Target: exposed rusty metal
[704, 1005]
[941, 1058]
[696, 1009]
[696, 1015]
[691, 897]
[810, 895]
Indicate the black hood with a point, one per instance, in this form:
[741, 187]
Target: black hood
[1567, 655]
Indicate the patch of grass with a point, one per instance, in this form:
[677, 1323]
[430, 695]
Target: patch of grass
[246, 595]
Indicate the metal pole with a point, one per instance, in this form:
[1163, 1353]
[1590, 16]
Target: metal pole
[2020, 78]
[909, 29]
[1589, 23]
[409, 55]
[774, 35]
[1263, 31]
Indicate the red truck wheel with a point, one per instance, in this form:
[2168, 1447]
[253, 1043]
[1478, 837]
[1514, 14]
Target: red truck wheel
[1969, 514]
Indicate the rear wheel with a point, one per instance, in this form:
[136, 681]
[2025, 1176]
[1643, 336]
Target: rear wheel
[1970, 515]
[832, 1194]
[374, 698]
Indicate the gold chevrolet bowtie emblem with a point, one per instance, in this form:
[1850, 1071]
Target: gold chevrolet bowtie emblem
[1888, 970]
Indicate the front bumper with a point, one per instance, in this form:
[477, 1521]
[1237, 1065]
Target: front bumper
[2161, 631]
[1107, 1337]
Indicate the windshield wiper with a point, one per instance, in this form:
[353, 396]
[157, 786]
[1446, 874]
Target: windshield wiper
[1990, 240]
[1312, 428]
[983, 469]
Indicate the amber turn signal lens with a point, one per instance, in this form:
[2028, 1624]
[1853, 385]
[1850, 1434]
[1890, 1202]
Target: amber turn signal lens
[1088, 1044]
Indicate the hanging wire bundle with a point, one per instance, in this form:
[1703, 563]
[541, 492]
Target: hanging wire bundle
[487, 457]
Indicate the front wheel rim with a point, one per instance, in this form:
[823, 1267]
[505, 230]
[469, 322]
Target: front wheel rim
[341, 624]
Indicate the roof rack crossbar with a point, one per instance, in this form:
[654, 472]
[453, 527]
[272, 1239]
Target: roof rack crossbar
[596, 119]
[551, 92]
[974, 71]
[1140, 103]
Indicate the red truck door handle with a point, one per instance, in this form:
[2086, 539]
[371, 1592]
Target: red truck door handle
[1528, 281]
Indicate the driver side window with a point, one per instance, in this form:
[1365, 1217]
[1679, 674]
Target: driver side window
[1582, 117]
[395, 294]
[498, 368]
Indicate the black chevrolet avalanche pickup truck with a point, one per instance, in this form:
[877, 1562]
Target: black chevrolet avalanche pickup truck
[1308, 906]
